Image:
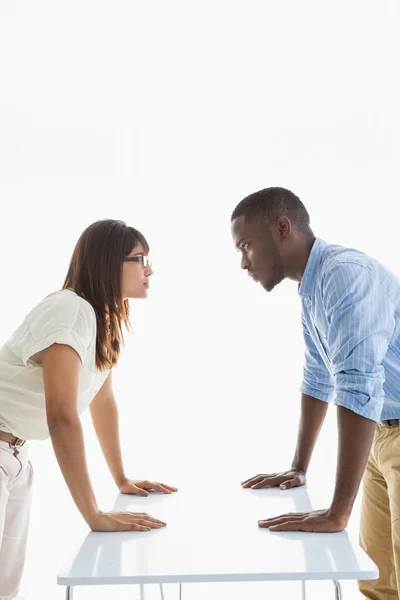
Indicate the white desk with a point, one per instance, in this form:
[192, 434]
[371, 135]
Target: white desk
[213, 536]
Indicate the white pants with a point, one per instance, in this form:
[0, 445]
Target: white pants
[16, 477]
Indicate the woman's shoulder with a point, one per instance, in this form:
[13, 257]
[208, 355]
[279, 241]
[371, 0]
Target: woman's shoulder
[63, 305]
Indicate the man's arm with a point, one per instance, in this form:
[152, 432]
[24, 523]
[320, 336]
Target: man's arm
[361, 323]
[317, 389]
[355, 439]
[312, 417]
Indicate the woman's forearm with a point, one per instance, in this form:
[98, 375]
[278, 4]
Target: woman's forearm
[104, 414]
[67, 438]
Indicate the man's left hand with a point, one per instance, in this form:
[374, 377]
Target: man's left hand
[319, 521]
[143, 487]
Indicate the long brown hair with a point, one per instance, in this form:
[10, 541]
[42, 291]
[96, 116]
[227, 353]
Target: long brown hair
[94, 273]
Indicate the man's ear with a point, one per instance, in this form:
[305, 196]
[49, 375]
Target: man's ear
[284, 227]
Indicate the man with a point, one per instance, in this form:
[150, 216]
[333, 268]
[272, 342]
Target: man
[351, 326]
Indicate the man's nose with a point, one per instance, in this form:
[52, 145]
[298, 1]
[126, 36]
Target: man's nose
[245, 262]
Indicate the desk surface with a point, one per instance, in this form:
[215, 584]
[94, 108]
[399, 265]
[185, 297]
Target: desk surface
[212, 535]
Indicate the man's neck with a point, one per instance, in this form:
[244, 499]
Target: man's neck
[300, 258]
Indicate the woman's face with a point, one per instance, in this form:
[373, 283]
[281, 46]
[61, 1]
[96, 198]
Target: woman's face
[135, 276]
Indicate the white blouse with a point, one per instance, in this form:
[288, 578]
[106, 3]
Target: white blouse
[63, 318]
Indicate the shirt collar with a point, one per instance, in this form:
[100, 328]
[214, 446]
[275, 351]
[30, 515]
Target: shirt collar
[307, 285]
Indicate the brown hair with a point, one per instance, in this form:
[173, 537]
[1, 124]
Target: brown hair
[94, 273]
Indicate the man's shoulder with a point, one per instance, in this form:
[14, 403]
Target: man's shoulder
[342, 268]
[347, 270]
[336, 256]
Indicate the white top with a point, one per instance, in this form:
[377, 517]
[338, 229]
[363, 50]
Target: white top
[63, 318]
[212, 535]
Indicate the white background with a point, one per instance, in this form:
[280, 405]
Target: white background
[165, 115]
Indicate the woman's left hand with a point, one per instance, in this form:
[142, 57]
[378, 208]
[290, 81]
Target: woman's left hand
[143, 487]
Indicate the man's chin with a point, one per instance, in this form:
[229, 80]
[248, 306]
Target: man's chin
[268, 287]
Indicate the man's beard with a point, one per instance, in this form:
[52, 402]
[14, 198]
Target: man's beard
[278, 274]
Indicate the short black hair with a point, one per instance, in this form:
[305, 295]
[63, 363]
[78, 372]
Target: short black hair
[268, 205]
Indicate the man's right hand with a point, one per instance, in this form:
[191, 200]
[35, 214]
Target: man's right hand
[124, 521]
[284, 480]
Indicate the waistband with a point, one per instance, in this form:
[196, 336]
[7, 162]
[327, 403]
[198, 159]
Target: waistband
[12, 440]
[390, 423]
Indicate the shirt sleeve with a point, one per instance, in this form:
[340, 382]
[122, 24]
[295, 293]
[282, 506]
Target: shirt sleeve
[59, 319]
[317, 381]
[361, 323]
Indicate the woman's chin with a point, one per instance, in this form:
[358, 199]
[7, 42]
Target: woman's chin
[138, 295]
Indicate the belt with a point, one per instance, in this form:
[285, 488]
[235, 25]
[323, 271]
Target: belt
[390, 423]
[12, 440]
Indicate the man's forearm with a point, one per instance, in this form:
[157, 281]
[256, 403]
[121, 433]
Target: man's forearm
[67, 438]
[355, 439]
[105, 421]
[313, 412]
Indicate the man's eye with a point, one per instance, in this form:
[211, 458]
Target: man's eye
[246, 246]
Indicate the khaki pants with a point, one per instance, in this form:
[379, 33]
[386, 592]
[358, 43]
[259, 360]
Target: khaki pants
[380, 517]
[16, 477]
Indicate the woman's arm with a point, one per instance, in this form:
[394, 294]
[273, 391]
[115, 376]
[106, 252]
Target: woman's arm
[61, 370]
[104, 412]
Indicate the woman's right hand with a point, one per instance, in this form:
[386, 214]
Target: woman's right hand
[124, 521]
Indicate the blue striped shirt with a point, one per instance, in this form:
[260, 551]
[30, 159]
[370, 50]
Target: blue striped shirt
[351, 328]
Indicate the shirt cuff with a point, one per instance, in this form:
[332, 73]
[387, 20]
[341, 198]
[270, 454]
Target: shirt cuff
[62, 336]
[371, 409]
[324, 395]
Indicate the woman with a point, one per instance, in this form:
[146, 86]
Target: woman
[54, 365]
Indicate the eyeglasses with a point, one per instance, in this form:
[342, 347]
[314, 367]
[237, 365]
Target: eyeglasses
[140, 258]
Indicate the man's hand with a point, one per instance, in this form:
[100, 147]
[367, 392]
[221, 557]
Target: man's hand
[124, 521]
[320, 521]
[142, 488]
[285, 480]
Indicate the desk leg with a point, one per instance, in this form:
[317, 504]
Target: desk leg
[303, 590]
[69, 593]
[338, 590]
[180, 591]
[141, 591]
[161, 592]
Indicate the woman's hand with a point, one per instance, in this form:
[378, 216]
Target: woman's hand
[124, 521]
[143, 487]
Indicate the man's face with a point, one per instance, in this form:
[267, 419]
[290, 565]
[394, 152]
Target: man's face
[260, 254]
